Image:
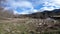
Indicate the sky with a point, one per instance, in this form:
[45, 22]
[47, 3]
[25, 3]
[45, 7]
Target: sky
[30, 6]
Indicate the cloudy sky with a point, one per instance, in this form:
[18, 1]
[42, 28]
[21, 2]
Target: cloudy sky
[30, 6]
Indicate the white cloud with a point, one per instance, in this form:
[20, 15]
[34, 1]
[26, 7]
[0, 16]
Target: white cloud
[57, 2]
[47, 8]
[22, 4]
[15, 12]
[27, 11]
[48, 5]
[35, 10]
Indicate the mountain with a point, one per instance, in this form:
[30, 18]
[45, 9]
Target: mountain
[44, 14]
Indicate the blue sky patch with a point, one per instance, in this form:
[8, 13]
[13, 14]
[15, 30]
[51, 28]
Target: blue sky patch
[30, 6]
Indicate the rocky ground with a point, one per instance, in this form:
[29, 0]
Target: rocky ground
[29, 26]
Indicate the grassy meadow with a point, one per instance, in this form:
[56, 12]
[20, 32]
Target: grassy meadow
[28, 26]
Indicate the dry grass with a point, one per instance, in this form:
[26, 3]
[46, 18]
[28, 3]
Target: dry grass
[24, 26]
[12, 26]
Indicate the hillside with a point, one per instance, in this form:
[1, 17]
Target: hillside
[44, 14]
[35, 23]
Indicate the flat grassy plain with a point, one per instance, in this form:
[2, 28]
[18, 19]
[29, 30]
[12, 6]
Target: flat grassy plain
[27, 26]
[13, 26]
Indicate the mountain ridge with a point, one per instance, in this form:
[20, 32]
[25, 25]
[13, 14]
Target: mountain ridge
[44, 14]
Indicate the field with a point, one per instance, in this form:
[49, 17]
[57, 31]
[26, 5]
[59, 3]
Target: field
[29, 26]
[12, 26]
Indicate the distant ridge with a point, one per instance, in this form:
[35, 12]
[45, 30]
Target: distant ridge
[44, 14]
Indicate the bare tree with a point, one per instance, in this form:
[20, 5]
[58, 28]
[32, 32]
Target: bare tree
[6, 13]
